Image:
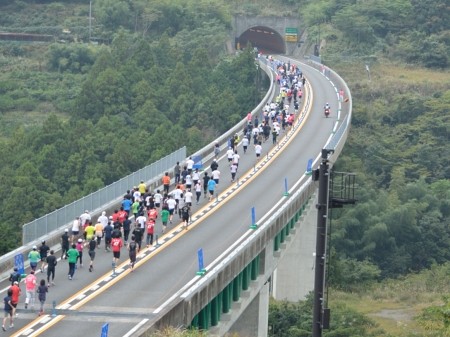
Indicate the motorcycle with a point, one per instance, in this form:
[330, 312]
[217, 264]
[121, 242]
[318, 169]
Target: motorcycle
[327, 112]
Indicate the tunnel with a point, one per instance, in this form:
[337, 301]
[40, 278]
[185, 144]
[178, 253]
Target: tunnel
[267, 40]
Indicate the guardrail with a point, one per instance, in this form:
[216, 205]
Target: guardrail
[198, 295]
[61, 217]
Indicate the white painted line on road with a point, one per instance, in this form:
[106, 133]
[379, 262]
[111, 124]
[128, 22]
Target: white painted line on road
[136, 327]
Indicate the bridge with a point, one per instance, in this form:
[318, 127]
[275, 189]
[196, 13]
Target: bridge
[241, 263]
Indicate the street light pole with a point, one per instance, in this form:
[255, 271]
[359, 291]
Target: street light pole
[322, 218]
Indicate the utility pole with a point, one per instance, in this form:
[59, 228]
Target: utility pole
[342, 193]
[322, 217]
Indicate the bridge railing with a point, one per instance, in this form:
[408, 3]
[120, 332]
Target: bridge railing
[184, 307]
[98, 199]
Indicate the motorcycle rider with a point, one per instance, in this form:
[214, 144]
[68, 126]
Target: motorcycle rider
[327, 109]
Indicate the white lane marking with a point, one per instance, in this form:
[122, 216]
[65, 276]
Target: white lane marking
[136, 327]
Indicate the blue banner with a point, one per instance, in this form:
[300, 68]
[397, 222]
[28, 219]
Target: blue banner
[200, 259]
[198, 164]
[18, 263]
[309, 166]
[105, 330]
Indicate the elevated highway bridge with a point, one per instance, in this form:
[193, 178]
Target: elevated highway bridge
[240, 262]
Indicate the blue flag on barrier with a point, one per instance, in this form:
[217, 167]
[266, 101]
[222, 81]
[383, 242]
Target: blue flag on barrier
[18, 263]
[309, 167]
[198, 164]
[105, 330]
[200, 259]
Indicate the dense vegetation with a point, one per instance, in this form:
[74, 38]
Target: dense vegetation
[106, 111]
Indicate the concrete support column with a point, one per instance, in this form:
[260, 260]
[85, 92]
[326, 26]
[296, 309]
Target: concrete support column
[294, 277]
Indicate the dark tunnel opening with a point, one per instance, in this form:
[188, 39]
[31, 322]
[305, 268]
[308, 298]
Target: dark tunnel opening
[265, 39]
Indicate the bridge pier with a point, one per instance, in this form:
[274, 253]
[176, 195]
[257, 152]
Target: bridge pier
[294, 277]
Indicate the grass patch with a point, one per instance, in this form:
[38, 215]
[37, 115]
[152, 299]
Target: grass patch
[394, 304]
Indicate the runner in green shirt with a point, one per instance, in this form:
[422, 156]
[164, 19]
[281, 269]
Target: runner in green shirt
[164, 218]
[72, 255]
[34, 257]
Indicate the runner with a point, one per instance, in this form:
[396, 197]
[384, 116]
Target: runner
[30, 287]
[233, 170]
[91, 251]
[171, 204]
[185, 214]
[42, 291]
[99, 230]
[164, 218]
[188, 197]
[72, 257]
[211, 187]
[108, 230]
[132, 248]
[116, 245]
[15, 276]
[51, 267]
[216, 175]
[166, 182]
[9, 310]
[258, 150]
[65, 244]
[205, 184]
[43, 251]
[34, 257]
[198, 191]
[16, 291]
[245, 142]
[79, 246]
[150, 231]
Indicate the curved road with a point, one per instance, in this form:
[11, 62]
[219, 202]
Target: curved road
[93, 299]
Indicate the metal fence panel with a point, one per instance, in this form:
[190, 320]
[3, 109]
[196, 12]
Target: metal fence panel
[63, 216]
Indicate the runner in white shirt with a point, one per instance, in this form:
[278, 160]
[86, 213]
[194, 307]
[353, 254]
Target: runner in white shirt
[157, 197]
[233, 170]
[171, 204]
[245, 143]
[195, 177]
[258, 150]
[137, 196]
[188, 197]
[177, 195]
[216, 175]
[236, 158]
[141, 220]
[230, 154]
[188, 181]
[198, 191]
[190, 164]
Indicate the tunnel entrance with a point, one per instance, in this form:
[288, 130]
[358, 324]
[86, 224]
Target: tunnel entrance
[267, 40]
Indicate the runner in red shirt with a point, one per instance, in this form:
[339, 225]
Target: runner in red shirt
[15, 294]
[122, 215]
[152, 214]
[116, 245]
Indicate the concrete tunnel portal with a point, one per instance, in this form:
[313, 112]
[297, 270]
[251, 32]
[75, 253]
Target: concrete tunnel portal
[264, 38]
